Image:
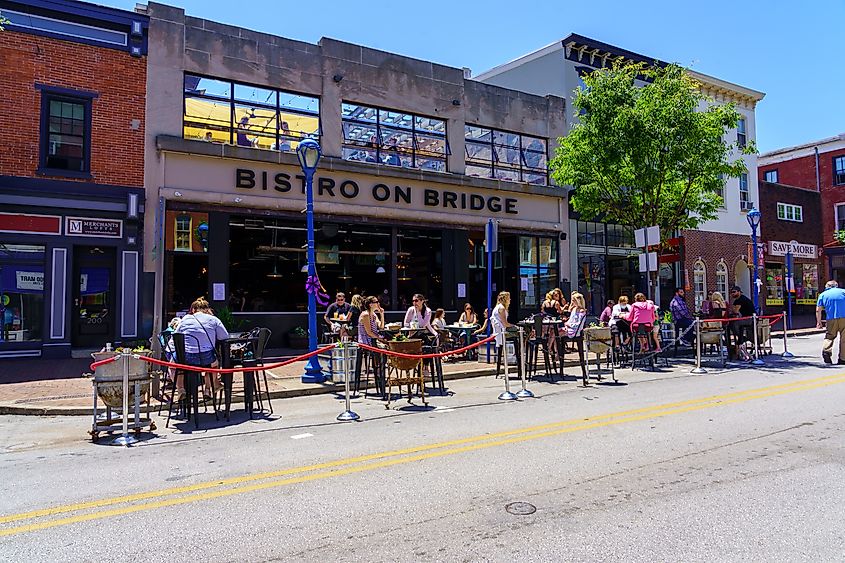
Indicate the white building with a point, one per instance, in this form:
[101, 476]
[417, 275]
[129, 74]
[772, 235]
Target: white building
[713, 257]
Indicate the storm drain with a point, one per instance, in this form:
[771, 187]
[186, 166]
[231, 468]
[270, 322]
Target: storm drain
[520, 508]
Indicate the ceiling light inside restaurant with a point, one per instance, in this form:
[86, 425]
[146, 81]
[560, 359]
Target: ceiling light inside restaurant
[304, 269]
[380, 270]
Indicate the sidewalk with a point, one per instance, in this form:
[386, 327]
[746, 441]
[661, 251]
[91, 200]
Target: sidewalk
[34, 386]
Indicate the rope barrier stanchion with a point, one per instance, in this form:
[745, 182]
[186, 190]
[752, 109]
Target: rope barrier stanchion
[524, 393]
[506, 395]
[757, 360]
[786, 352]
[125, 439]
[348, 415]
[698, 370]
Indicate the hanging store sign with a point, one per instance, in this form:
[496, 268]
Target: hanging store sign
[31, 281]
[30, 224]
[779, 248]
[90, 227]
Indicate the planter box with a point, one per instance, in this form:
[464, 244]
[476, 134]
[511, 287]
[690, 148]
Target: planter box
[297, 342]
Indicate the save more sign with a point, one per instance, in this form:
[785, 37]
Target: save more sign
[779, 248]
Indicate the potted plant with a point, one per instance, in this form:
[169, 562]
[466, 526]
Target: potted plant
[108, 378]
[229, 320]
[839, 236]
[405, 345]
[298, 338]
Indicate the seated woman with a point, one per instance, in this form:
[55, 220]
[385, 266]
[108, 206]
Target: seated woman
[370, 322]
[607, 313]
[618, 320]
[202, 330]
[718, 307]
[419, 316]
[468, 316]
[577, 314]
[642, 314]
[439, 320]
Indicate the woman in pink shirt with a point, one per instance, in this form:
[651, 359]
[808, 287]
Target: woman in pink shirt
[643, 312]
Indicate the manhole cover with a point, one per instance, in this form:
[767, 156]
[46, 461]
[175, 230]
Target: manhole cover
[520, 508]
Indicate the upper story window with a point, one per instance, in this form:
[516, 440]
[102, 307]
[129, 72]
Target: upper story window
[744, 195]
[790, 212]
[840, 217]
[67, 29]
[771, 176]
[222, 111]
[720, 191]
[839, 170]
[505, 156]
[397, 139]
[741, 139]
[65, 132]
[182, 233]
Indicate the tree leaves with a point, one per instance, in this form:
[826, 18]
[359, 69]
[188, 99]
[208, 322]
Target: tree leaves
[648, 149]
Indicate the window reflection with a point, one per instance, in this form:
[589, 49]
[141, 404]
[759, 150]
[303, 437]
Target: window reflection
[393, 138]
[21, 292]
[251, 116]
[505, 156]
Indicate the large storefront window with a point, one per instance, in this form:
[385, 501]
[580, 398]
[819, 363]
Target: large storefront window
[805, 278]
[419, 266]
[221, 111]
[393, 138]
[21, 292]
[591, 281]
[538, 270]
[506, 156]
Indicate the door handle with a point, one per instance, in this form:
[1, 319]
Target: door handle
[76, 302]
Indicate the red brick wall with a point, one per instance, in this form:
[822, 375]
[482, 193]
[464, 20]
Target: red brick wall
[711, 248]
[117, 151]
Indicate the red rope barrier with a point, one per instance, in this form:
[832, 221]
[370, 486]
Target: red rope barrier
[426, 356]
[233, 370]
[95, 365]
[733, 319]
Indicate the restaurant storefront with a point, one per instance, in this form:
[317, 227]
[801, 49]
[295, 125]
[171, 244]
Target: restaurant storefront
[806, 282]
[69, 266]
[233, 230]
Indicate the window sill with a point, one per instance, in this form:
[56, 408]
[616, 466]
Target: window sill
[64, 173]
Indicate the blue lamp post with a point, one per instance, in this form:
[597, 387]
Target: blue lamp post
[308, 153]
[753, 218]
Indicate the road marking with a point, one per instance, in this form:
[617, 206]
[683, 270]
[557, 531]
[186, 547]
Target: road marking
[466, 445]
[300, 436]
[443, 409]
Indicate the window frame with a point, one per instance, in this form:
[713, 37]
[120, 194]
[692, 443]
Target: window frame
[699, 296]
[233, 102]
[722, 277]
[744, 204]
[797, 212]
[85, 99]
[177, 230]
[522, 169]
[767, 173]
[413, 151]
[742, 133]
[838, 172]
[836, 207]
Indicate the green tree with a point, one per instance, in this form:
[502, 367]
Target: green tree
[3, 22]
[647, 152]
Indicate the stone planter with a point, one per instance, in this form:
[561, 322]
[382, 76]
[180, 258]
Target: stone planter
[599, 339]
[108, 378]
[411, 346]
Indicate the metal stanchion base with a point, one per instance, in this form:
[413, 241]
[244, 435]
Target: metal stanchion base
[126, 440]
[524, 394]
[698, 371]
[348, 416]
[758, 362]
[787, 355]
[507, 396]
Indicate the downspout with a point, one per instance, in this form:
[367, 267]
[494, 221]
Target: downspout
[818, 180]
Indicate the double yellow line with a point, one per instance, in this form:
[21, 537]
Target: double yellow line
[208, 490]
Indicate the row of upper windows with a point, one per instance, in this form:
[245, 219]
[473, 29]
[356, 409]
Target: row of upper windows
[227, 112]
[838, 172]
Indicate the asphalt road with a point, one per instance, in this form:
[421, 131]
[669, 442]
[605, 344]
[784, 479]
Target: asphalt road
[734, 465]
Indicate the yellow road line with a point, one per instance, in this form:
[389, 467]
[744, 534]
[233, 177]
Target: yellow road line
[381, 455]
[585, 425]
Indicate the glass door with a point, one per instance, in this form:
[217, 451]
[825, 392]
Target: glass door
[94, 311]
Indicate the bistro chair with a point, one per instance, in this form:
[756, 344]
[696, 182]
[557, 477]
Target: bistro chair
[264, 335]
[578, 339]
[193, 382]
[164, 339]
[643, 355]
[432, 345]
[712, 335]
[537, 343]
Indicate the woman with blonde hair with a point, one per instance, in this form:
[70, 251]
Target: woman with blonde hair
[577, 315]
[499, 324]
[718, 307]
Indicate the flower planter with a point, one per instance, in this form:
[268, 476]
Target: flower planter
[599, 339]
[108, 378]
[297, 342]
[412, 346]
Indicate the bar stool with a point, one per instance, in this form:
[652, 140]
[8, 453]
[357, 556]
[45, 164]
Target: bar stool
[193, 382]
[533, 348]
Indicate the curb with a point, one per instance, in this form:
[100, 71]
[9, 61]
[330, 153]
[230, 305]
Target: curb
[30, 409]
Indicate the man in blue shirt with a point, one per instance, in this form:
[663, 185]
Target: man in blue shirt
[682, 317]
[832, 302]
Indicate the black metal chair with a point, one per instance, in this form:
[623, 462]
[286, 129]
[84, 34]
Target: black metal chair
[643, 355]
[578, 339]
[164, 338]
[193, 382]
[533, 346]
[264, 335]
[364, 360]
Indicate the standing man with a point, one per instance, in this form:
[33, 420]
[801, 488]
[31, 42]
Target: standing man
[682, 316]
[832, 302]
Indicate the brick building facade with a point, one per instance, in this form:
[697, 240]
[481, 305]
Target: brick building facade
[790, 215]
[71, 176]
[714, 262]
[820, 167]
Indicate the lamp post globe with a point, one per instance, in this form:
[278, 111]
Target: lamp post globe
[753, 218]
[308, 153]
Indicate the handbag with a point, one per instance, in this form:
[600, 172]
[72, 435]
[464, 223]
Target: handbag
[216, 363]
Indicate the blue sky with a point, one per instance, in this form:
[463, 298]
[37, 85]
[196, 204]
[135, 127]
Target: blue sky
[791, 52]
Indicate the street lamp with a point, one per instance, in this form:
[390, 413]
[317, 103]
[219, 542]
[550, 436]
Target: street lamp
[308, 153]
[753, 218]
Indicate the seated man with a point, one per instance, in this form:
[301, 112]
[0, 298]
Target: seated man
[743, 307]
[683, 318]
[337, 312]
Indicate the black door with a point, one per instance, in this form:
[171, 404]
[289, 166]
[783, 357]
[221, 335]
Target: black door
[94, 304]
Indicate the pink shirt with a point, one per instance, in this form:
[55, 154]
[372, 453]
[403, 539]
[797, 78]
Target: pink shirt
[642, 312]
